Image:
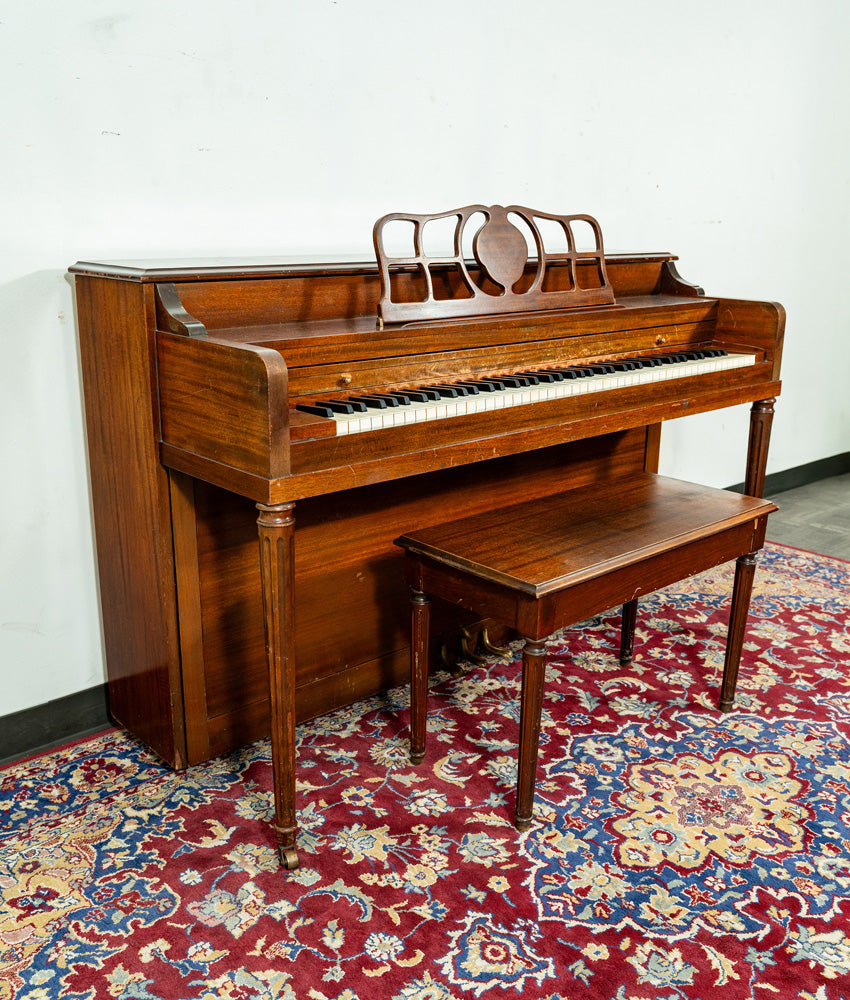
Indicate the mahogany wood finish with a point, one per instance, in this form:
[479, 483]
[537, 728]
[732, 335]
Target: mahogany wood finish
[761, 420]
[191, 375]
[531, 707]
[742, 589]
[277, 559]
[132, 514]
[627, 632]
[420, 606]
[343, 549]
[545, 564]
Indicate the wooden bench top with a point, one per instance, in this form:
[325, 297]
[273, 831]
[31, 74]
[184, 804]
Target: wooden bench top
[553, 543]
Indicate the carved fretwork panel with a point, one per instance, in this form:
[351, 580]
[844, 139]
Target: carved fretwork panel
[527, 260]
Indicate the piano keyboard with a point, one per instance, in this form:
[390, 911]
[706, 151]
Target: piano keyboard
[374, 411]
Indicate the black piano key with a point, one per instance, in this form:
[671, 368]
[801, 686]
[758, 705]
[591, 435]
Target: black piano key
[556, 373]
[419, 396]
[317, 409]
[471, 387]
[486, 385]
[389, 400]
[402, 397]
[343, 405]
[515, 381]
[448, 391]
[373, 402]
[429, 393]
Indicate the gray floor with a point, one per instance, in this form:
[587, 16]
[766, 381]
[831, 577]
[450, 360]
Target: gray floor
[814, 517]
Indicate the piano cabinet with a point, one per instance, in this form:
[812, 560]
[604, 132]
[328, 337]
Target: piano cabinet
[350, 594]
[191, 374]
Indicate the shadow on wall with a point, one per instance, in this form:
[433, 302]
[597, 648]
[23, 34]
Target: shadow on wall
[50, 636]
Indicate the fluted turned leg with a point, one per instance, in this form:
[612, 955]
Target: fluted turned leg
[531, 707]
[627, 632]
[277, 551]
[743, 588]
[761, 420]
[420, 608]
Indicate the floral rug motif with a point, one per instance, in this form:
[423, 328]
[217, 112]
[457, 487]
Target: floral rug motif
[675, 853]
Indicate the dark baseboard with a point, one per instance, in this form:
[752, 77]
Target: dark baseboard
[61, 721]
[802, 475]
[85, 712]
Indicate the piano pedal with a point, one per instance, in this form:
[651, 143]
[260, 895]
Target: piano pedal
[449, 661]
[488, 647]
[468, 644]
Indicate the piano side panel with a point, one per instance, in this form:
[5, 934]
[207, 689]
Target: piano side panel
[758, 324]
[227, 402]
[351, 600]
[131, 513]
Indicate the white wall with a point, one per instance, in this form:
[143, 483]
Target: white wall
[718, 131]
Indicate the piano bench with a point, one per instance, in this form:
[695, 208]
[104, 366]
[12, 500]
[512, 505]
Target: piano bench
[542, 565]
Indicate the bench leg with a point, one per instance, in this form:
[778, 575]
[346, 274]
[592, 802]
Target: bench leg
[741, 591]
[531, 707]
[420, 608]
[627, 632]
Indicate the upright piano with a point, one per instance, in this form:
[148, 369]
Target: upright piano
[327, 407]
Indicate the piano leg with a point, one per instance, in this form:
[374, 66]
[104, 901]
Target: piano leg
[420, 608]
[761, 419]
[277, 549]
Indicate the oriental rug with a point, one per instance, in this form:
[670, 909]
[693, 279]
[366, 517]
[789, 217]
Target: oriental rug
[676, 852]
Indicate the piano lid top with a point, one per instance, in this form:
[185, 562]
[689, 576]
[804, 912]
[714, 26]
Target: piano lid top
[216, 268]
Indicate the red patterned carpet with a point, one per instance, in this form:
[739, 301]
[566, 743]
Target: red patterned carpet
[676, 853]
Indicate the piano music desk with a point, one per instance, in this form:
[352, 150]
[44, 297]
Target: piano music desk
[542, 565]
